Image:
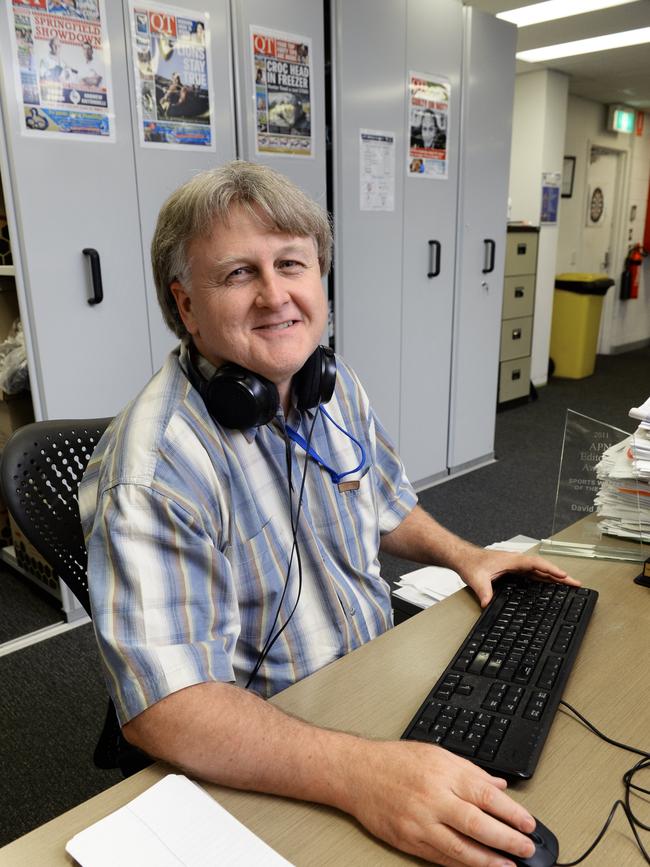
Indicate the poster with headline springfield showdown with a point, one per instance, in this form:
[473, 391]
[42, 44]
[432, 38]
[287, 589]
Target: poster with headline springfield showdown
[282, 76]
[62, 68]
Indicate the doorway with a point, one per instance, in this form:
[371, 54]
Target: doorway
[600, 248]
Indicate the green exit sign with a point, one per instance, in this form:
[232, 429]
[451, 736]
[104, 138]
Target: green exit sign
[621, 119]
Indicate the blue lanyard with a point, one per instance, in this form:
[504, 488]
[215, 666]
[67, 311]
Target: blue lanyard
[336, 477]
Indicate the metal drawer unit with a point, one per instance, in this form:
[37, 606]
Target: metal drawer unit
[517, 312]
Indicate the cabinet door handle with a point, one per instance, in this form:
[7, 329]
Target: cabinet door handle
[516, 333]
[434, 256]
[490, 249]
[96, 275]
[519, 292]
[516, 374]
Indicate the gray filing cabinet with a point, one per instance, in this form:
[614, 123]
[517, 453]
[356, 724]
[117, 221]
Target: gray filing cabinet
[517, 312]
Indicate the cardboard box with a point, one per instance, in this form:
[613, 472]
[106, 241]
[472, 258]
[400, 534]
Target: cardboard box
[31, 561]
[5, 527]
[16, 410]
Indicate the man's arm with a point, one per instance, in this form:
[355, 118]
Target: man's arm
[421, 538]
[417, 797]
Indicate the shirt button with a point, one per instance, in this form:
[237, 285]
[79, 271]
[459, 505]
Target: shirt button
[353, 611]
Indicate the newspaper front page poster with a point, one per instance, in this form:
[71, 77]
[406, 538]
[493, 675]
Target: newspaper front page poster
[428, 125]
[171, 63]
[282, 76]
[377, 170]
[62, 69]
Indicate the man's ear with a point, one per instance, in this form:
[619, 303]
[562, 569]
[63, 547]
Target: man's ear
[184, 303]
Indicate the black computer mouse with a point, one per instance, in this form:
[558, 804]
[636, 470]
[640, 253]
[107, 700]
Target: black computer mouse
[546, 849]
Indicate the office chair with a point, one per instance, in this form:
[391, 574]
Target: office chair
[41, 467]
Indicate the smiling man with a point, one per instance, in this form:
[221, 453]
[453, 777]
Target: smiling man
[234, 513]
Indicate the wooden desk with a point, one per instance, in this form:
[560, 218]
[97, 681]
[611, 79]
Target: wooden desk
[375, 691]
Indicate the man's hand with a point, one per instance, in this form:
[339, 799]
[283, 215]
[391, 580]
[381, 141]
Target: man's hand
[480, 567]
[420, 538]
[428, 802]
[417, 797]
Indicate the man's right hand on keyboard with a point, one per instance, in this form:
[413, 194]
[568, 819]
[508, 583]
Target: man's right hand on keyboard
[428, 802]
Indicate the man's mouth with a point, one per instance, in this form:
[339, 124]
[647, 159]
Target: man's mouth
[278, 326]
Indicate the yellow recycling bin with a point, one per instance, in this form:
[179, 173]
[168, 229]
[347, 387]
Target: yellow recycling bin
[577, 306]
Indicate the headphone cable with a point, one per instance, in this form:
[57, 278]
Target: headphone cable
[271, 638]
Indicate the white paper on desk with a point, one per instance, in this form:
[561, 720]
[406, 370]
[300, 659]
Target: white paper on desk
[516, 545]
[441, 582]
[641, 412]
[175, 823]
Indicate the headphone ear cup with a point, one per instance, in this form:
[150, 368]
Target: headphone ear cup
[314, 383]
[239, 399]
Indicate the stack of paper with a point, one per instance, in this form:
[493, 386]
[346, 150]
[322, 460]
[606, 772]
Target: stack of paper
[623, 501]
[424, 587]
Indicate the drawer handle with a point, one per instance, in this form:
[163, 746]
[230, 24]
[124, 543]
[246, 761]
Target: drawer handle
[434, 259]
[516, 333]
[96, 275]
[521, 249]
[519, 292]
[490, 250]
[516, 374]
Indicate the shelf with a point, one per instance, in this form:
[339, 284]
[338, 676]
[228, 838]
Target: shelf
[7, 270]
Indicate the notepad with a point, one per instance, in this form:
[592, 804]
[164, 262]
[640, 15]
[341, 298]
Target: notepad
[175, 823]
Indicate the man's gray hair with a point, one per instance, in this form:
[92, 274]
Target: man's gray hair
[189, 213]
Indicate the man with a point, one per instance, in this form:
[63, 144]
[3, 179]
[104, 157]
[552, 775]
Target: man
[221, 557]
[88, 73]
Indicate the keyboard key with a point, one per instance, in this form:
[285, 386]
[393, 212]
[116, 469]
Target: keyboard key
[479, 662]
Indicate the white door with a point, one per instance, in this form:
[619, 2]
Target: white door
[369, 88]
[434, 48]
[70, 195]
[488, 91]
[297, 31]
[599, 212]
[161, 169]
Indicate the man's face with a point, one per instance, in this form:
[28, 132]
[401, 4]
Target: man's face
[428, 130]
[256, 298]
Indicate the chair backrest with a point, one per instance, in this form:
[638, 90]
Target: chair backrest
[42, 465]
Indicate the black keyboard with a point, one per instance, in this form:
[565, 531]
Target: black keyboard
[496, 701]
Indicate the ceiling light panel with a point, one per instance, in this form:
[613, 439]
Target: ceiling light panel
[586, 46]
[551, 10]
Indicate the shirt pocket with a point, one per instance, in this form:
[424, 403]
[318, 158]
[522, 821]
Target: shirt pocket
[259, 566]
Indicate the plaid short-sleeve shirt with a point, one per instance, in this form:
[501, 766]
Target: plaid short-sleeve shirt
[189, 536]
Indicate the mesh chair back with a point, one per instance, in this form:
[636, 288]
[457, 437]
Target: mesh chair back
[42, 465]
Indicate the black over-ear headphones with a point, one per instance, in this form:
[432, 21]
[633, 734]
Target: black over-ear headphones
[240, 399]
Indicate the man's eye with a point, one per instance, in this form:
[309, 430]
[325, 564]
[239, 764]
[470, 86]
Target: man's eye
[238, 275]
[291, 265]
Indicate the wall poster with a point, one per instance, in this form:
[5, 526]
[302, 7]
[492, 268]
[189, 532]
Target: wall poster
[428, 125]
[551, 183]
[282, 76]
[171, 63]
[62, 73]
[376, 170]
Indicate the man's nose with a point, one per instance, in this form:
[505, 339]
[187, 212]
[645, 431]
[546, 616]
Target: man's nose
[272, 290]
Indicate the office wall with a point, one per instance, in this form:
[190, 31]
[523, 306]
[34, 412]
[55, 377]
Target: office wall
[538, 132]
[625, 324]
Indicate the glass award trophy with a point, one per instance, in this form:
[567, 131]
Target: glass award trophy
[602, 506]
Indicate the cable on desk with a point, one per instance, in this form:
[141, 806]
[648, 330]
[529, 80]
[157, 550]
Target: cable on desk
[629, 786]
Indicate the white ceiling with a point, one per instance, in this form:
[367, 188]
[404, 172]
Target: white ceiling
[621, 75]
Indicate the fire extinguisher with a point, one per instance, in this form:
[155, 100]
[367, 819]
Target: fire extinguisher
[630, 275]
